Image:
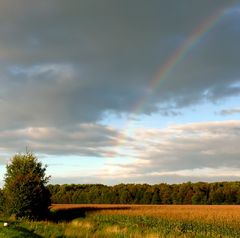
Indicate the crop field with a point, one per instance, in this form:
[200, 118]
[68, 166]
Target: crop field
[206, 213]
[132, 221]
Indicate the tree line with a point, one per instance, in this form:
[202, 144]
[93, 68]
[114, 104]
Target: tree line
[185, 193]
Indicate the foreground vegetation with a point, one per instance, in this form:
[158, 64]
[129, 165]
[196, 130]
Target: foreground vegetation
[131, 221]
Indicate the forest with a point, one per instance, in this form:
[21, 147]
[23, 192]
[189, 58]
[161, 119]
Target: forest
[185, 193]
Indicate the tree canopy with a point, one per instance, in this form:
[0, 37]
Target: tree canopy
[25, 192]
[185, 193]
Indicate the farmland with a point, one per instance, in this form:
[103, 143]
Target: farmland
[72, 220]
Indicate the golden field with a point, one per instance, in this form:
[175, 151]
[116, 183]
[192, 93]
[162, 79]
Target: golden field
[227, 214]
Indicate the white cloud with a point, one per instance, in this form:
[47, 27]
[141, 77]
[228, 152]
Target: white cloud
[191, 151]
[187, 146]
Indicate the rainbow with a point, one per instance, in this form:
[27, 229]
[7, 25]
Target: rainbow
[181, 52]
[171, 62]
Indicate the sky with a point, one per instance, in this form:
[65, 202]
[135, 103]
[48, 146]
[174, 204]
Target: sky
[122, 91]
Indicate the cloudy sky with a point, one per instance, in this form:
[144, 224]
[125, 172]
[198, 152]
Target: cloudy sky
[132, 91]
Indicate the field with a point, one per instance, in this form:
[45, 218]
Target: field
[132, 221]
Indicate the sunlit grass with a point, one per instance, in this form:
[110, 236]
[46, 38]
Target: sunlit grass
[226, 214]
[116, 221]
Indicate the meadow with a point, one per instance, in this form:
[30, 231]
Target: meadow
[72, 220]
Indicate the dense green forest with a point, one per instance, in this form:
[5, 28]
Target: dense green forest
[185, 193]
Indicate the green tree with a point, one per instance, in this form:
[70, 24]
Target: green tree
[125, 197]
[155, 197]
[147, 197]
[25, 191]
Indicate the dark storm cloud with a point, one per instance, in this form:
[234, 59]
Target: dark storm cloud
[67, 62]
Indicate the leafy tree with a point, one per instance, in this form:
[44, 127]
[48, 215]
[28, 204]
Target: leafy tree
[155, 197]
[1, 200]
[125, 197]
[216, 195]
[231, 193]
[25, 191]
[139, 195]
[147, 197]
[165, 193]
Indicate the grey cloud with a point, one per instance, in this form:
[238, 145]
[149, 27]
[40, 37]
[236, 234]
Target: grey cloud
[65, 63]
[83, 140]
[226, 112]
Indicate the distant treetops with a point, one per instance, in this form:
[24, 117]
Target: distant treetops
[185, 193]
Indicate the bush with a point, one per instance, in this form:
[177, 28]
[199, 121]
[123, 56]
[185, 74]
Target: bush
[25, 192]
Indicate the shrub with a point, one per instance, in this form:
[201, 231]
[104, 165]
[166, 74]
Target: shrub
[25, 192]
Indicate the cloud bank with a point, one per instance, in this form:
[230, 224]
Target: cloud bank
[176, 153]
[65, 64]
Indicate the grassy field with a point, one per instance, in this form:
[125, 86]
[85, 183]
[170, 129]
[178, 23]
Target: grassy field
[131, 221]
